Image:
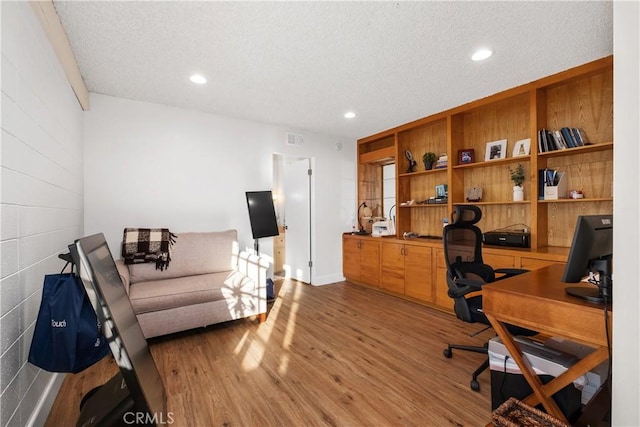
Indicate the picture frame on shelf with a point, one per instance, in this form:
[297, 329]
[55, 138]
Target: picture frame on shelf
[522, 148]
[473, 194]
[466, 156]
[496, 150]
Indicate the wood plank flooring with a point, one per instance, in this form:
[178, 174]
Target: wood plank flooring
[335, 355]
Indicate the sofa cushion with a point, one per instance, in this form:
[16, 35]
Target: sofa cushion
[193, 254]
[157, 295]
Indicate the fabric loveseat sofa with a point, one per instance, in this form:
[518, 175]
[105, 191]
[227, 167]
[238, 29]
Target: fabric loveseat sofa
[208, 281]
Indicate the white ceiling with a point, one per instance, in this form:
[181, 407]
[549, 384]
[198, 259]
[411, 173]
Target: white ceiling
[304, 64]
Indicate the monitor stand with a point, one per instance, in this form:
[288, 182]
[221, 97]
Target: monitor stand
[589, 294]
[602, 290]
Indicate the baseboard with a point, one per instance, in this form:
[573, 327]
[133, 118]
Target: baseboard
[328, 279]
[41, 411]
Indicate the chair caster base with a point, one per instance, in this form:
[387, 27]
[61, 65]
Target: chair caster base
[447, 353]
[475, 385]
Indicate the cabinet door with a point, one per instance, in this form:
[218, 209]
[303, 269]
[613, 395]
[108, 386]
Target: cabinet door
[370, 262]
[441, 298]
[417, 273]
[393, 267]
[499, 261]
[351, 258]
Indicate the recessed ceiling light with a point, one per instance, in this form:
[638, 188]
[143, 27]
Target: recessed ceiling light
[197, 78]
[349, 115]
[481, 54]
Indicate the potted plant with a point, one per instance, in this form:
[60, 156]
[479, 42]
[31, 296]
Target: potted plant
[429, 159]
[517, 176]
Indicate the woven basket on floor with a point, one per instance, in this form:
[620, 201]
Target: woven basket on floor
[514, 413]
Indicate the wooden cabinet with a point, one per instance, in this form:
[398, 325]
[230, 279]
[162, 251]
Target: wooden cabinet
[416, 268]
[406, 269]
[418, 272]
[361, 260]
[279, 251]
[581, 97]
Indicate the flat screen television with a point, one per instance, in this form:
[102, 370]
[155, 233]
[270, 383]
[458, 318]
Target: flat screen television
[262, 214]
[121, 328]
[591, 252]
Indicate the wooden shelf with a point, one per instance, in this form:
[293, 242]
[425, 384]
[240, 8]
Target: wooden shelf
[508, 160]
[403, 175]
[506, 202]
[425, 205]
[592, 199]
[381, 155]
[580, 97]
[578, 150]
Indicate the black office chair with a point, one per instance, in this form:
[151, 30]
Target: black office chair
[466, 274]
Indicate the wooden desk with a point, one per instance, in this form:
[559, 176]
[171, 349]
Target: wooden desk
[537, 300]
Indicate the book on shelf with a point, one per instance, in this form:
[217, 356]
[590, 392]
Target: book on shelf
[561, 139]
[442, 162]
[566, 133]
[560, 142]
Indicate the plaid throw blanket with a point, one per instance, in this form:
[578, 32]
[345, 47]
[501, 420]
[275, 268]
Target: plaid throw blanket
[148, 245]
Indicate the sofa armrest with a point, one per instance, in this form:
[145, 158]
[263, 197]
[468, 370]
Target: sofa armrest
[123, 270]
[254, 267]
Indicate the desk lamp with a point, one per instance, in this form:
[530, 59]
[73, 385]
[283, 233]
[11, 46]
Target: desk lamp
[367, 212]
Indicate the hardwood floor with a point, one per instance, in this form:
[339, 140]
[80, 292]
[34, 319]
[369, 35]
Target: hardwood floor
[336, 355]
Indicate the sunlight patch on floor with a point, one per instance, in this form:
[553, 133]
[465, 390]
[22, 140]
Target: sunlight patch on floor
[290, 331]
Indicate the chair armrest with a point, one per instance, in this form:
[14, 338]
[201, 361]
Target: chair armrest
[465, 286]
[123, 271]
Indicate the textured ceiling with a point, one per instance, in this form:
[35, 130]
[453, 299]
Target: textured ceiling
[304, 64]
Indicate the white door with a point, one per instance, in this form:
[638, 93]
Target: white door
[297, 219]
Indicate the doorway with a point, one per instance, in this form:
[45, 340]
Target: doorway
[292, 185]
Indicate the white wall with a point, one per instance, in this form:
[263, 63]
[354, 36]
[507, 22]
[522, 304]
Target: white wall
[40, 204]
[626, 208]
[149, 165]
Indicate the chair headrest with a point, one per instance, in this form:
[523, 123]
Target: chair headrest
[466, 215]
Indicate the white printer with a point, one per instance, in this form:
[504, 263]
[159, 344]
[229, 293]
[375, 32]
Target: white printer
[552, 357]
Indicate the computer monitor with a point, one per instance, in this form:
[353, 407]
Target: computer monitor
[121, 328]
[591, 252]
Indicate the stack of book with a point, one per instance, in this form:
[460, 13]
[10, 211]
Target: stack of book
[442, 161]
[561, 139]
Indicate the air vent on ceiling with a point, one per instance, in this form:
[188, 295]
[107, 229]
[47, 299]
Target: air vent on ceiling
[294, 138]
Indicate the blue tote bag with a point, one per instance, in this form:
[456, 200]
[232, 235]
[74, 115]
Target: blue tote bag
[67, 335]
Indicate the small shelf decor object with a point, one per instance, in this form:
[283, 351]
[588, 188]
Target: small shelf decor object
[522, 147]
[428, 159]
[496, 150]
[474, 194]
[442, 161]
[517, 176]
[412, 163]
[466, 155]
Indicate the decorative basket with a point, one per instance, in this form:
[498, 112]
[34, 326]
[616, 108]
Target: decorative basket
[514, 413]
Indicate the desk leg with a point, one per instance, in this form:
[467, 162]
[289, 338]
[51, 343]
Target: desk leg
[526, 368]
[581, 367]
